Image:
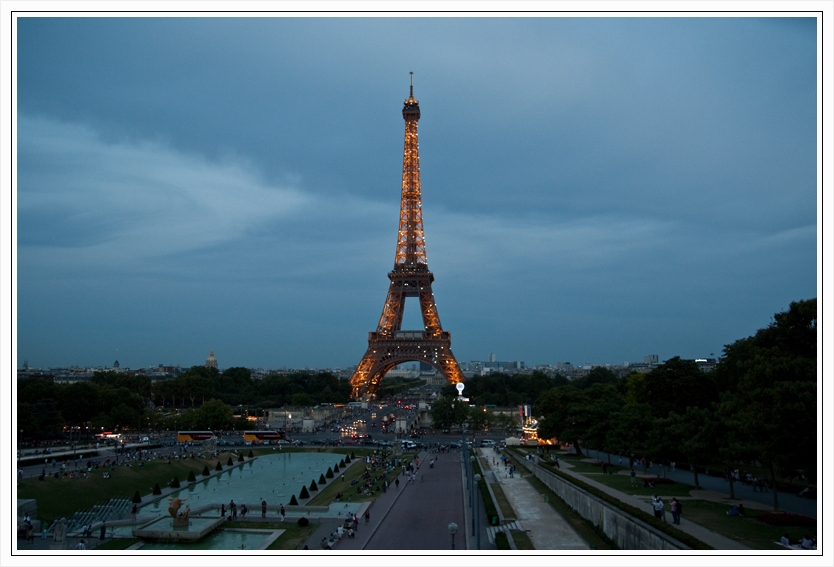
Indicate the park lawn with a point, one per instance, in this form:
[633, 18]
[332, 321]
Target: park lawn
[622, 483]
[63, 497]
[745, 529]
[326, 495]
[522, 540]
[502, 502]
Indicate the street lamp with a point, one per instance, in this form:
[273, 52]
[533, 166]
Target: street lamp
[453, 529]
[477, 517]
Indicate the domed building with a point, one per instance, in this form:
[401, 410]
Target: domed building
[211, 362]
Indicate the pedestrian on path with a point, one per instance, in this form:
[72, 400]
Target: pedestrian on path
[397, 483]
[263, 508]
[673, 506]
[367, 515]
[633, 478]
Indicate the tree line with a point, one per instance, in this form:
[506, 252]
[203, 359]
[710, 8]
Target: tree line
[757, 406]
[206, 397]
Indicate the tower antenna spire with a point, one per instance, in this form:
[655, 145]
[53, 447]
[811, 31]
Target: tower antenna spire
[411, 83]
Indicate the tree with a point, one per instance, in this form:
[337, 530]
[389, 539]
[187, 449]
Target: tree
[770, 382]
[565, 414]
[215, 415]
[448, 412]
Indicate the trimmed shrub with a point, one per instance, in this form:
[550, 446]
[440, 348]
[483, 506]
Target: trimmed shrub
[156, 490]
[176, 482]
[137, 498]
[251, 454]
[304, 494]
[240, 457]
[347, 459]
[219, 467]
[342, 463]
[293, 501]
[322, 480]
[352, 455]
[302, 521]
[313, 486]
[205, 471]
[329, 473]
[230, 463]
[191, 477]
[335, 468]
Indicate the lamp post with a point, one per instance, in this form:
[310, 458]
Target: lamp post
[453, 529]
[477, 479]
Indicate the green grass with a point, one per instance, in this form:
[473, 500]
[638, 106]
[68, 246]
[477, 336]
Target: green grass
[522, 540]
[63, 497]
[502, 502]
[622, 483]
[747, 529]
[501, 541]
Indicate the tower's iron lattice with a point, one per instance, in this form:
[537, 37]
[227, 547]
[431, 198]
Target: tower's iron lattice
[390, 346]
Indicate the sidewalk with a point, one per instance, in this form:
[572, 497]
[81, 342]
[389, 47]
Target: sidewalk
[706, 535]
[546, 528]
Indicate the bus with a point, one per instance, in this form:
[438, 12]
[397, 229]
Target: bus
[109, 435]
[192, 436]
[263, 437]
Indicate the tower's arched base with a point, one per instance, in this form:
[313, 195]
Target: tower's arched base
[387, 351]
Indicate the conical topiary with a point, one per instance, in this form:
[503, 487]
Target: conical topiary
[219, 467]
[304, 494]
[137, 498]
[240, 458]
[313, 486]
[191, 477]
[176, 482]
[352, 455]
[322, 480]
[335, 468]
[230, 463]
[342, 463]
[251, 454]
[205, 471]
[347, 459]
[293, 501]
[157, 490]
[329, 472]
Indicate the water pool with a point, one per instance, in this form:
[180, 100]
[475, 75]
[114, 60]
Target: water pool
[274, 478]
[221, 539]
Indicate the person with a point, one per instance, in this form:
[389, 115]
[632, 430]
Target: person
[30, 532]
[223, 510]
[323, 543]
[806, 543]
[133, 511]
[263, 508]
[673, 506]
[340, 531]
[103, 530]
[233, 509]
[283, 512]
[243, 511]
[397, 483]
[657, 504]
[785, 540]
[741, 509]
[82, 545]
[633, 478]
[733, 511]
[367, 515]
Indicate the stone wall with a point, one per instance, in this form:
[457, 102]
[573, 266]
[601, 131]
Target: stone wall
[625, 530]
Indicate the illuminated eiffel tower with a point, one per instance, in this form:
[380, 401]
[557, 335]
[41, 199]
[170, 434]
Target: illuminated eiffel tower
[389, 346]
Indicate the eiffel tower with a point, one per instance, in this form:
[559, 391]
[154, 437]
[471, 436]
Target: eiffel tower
[390, 346]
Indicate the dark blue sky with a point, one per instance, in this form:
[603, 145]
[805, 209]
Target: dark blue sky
[594, 189]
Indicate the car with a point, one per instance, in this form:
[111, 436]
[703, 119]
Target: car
[348, 441]
[373, 424]
[145, 439]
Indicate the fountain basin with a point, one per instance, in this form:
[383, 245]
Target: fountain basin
[163, 529]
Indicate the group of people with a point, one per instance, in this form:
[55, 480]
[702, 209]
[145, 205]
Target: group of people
[675, 507]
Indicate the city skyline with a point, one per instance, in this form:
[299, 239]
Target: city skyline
[594, 189]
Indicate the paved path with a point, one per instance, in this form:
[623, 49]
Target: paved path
[546, 528]
[419, 518]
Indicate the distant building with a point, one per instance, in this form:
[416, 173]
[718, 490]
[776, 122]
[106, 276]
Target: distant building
[211, 362]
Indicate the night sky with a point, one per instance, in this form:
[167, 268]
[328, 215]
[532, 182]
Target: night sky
[594, 189]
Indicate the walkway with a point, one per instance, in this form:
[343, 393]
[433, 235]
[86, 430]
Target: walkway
[546, 528]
